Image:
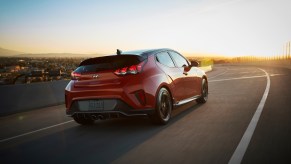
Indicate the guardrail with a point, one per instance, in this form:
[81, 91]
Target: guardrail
[23, 97]
[207, 68]
[275, 63]
[206, 65]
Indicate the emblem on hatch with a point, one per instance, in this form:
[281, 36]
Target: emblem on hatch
[95, 76]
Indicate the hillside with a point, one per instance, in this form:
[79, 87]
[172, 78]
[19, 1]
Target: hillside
[12, 53]
[57, 55]
[6, 52]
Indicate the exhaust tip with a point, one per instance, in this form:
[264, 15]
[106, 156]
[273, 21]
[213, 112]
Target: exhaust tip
[94, 117]
[101, 117]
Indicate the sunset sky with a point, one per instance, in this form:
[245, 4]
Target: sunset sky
[224, 27]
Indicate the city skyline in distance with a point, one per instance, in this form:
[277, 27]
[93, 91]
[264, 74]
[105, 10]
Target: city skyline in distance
[13, 53]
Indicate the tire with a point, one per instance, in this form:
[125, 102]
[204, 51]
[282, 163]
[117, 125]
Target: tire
[204, 92]
[163, 108]
[80, 119]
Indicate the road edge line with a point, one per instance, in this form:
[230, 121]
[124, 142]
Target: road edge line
[219, 74]
[244, 142]
[25, 134]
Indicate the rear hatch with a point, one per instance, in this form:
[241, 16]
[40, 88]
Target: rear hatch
[104, 71]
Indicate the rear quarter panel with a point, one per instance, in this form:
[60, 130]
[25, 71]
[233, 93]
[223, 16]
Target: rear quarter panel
[154, 79]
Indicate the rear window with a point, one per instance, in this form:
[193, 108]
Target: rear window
[108, 63]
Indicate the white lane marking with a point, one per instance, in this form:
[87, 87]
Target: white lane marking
[244, 142]
[238, 78]
[246, 77]
[24, 134]
[218, 74]
[276, 74]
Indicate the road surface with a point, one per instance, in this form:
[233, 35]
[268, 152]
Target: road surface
[247, 119]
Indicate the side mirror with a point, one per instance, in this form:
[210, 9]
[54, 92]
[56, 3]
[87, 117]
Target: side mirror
[194, 64]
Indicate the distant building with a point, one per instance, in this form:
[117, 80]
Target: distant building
[36, 76]
[12, 68]
[54, 75]
[37, 73]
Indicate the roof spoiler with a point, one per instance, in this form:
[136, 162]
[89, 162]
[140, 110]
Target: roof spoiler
[118, 52]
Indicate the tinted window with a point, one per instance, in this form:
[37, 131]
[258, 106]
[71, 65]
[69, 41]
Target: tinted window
[165, 59]
[108, 63]
[180, 61]
[94, 68]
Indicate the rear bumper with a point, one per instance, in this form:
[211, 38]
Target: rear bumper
[112, 108]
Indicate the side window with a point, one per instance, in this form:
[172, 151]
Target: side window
[180, 61]
[165, 59]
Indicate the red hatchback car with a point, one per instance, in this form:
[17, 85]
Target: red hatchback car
[134, 83]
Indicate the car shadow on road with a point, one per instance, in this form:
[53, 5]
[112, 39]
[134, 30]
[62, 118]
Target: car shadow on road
[103, 142]
[116, 137]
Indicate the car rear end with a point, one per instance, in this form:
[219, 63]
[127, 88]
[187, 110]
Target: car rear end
[109, 86]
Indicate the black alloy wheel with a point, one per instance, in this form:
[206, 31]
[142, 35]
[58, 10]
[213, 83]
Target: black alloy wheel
[204, 92]
[164, 107]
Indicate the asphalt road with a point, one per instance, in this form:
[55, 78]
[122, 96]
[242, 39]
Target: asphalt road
[208, 133]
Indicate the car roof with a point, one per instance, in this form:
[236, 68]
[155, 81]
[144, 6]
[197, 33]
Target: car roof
[145, 52]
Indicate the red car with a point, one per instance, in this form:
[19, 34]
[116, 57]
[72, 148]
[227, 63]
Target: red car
[134, 83]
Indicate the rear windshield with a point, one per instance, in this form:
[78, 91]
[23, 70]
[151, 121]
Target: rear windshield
[108, 63]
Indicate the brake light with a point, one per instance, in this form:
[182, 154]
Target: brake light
[75, 75]
[133, 69]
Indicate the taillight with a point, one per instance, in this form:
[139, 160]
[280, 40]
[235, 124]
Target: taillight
[75, 75]
[133, 69]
